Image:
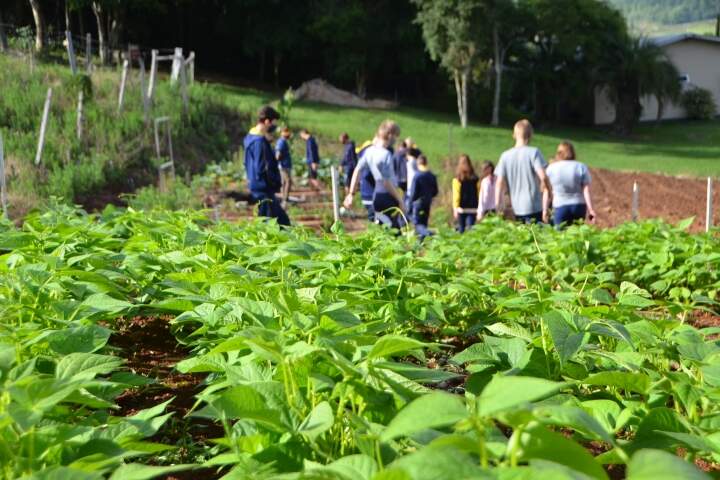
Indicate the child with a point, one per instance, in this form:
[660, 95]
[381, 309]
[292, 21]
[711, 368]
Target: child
[312, 157]
[465, 189]
[570, 181]
[282, 154]
[487, 190]
[411, 170]
[424, 188]
[349, 159]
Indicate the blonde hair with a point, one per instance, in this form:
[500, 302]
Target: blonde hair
[566, 151]
[387, 128]
[523, 130]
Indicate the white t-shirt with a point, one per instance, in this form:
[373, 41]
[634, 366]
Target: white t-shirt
[380, 162]
[568, 177]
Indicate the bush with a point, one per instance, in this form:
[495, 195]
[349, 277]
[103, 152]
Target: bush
[699, 104]
[177, 197]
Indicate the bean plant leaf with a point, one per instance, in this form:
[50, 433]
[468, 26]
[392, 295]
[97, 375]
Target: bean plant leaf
[85, 366]
[650, 464]
[102, 302]
[87, 339]
[434, 410]
[136, 471]
[319, 421]
[506, 392]
[537, 441]
[566, 339]
[390, 345]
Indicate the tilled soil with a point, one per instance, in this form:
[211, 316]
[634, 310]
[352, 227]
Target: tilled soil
[660, 196]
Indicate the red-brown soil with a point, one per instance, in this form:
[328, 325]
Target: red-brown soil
[670, 198]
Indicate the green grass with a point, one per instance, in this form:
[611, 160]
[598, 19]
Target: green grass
[675, 148]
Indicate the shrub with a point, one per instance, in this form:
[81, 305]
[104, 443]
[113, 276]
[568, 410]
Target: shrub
[699, 104]
[177, 197]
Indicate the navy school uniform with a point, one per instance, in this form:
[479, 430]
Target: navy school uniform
[263, 176]
[424, 189]
[349, 161]
[283, 148]
[312, 155]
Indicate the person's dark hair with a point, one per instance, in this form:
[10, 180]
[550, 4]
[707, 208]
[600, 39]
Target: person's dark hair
[422, 160]
[487, 164]
[465, 170]
[268, 113]
[344, 137]
[413, 152]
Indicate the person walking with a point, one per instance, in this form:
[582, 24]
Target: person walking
[387, 198]
[465, 191]
[570, 182]
[349, 159]
[312, 157]
[284, 158]
[487, 190]
[521, 171]
[423, 189]
[367, 182]
[400, 166]
[261, 166]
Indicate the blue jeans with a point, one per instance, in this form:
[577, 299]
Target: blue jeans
[465, 221]
[420, 217]
[368, 204]
[569, 214]
[532, 218]
[269, 206]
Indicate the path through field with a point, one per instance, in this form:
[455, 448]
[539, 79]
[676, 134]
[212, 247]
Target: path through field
[661, 196]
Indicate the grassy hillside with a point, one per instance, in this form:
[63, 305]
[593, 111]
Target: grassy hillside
[666, 12]
[116, 153]
[677, 148]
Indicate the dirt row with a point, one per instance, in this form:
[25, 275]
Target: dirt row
[660, 196]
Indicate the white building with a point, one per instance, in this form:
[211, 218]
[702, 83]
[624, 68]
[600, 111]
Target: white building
[697, 57]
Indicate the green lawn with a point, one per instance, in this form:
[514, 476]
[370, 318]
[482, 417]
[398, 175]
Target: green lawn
[677, 148]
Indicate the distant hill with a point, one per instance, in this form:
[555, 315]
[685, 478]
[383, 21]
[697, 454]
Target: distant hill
[666, 12]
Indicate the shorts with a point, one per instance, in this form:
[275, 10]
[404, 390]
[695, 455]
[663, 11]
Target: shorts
[569, 214]
[531, 218]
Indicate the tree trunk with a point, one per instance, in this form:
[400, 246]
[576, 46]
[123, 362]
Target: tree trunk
[68, 26]
[3, 36]
[263, 58]
[361, 83]
[277, 57]
[498, 77]
[661, 109]
[102, 32]
[458, 94]
[464, 88]
[40, 35]
[627, 112]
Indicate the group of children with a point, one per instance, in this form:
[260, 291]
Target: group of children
[396, 183]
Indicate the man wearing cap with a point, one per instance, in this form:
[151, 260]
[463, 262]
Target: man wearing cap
[261, 166]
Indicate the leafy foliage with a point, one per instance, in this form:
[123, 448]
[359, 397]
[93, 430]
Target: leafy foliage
[323, 356]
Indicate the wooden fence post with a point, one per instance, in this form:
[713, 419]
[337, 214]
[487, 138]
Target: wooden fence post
[709, 208]
[190, 63]
[176, 66]
[88, 53]
[71, 52]
[184, 88]
[43, 127]
[143, 91]
[335, 192]
[80, 120]
[635, 202]
[153, 75]
[123, 81]
[3, 181]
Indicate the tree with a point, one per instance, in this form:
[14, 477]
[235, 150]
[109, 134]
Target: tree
[570, 39]
[630, 72]
[452, 37]
[509, 26]
[665, 86]
[40, 27]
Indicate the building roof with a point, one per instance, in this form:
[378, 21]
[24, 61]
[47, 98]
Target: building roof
[666, 40]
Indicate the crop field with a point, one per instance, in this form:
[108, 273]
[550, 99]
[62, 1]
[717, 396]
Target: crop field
[137, 345]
